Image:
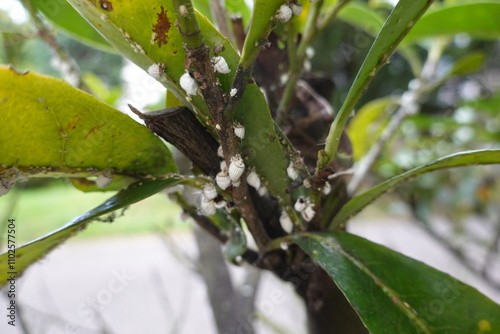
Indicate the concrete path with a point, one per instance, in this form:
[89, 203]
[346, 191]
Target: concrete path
[133, 285]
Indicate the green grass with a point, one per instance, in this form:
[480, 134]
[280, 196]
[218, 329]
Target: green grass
[38, 211]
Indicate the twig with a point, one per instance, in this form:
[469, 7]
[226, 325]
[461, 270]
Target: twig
[67, 66]
[297, 59]
[409, 105]
[221, 109]
[298, 56]
[220, 16]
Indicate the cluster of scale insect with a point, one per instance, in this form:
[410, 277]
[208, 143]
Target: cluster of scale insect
[133, 44]
[157, 71]
[285, 12]
[304, 206]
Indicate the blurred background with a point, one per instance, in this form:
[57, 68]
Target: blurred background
[142, 272]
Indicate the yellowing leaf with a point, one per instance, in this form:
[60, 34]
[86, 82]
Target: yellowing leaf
[54, 129]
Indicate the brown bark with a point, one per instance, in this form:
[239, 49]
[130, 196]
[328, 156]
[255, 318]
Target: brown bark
[180, 127]
[328, 311]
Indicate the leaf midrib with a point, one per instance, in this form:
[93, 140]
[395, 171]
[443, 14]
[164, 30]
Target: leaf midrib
[379, 282]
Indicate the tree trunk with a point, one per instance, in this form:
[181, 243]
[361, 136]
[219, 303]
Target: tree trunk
[230, 308]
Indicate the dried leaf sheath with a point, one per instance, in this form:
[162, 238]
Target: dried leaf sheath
[180, 128]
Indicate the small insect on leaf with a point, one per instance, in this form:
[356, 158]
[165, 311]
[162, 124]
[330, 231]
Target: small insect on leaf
[283, 14]
[222, 179]
[286, 222]
[239, 130]
[292, 172]
[300, 204]
[209, 191]
[188, 83]
[157, 71]
[220, 65]
[296, 8]
[253, 179]
[236, 167]
[207, 206]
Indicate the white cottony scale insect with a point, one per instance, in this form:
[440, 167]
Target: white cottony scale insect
[5, 186]
[104, 180]
[236, 167]
[305, 207]
[239, 130]
[222, 179]
[283, 14]
[220, 65]
[296, 8]
[300, 204]
[183, 10]
[207, 206]
[209, 191]
[292, 172]
[156, 71]
[253, 179]
[220, 204]
[286, 222]
[8, 179]
[262, 190]
[220, 152]
[327, 188]
[233, 92]
[223, 165]
[308, 213]
[236, 183]
[188, 84]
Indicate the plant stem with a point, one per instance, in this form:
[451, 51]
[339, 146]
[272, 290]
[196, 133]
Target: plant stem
[332, 15]
[220, 15]
[298, 56]
[297, 59]
[67, 66]
[409, 105]
[221, 109]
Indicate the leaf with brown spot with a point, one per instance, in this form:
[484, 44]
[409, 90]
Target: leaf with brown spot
[161, 28]
[77, 136]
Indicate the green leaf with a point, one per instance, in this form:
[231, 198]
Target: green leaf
[239, 7]
[261, 146]
[478, 20]
[399, 22]
[56, 130]
[367, 124]
[203, 6]
[395, 294]
[100, 89]
[261, 25]
[65, 17]
[358, 203]
[363, 17]
[470, 63]
[29, 253]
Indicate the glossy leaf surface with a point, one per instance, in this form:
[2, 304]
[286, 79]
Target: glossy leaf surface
[478, 20]
[358, 203]
[395, 294]
[65, 17]
[398, 24]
